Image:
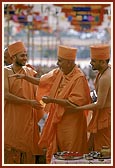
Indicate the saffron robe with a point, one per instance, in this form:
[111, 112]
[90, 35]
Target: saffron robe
[64, 129]
[100, 124]
[21, 121]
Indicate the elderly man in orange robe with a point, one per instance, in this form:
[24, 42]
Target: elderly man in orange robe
[100, 124]
[64, 129]
[21, 112]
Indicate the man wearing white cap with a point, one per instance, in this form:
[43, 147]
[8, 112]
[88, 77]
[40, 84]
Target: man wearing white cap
[64, 129]
[21, 112]
[100, 125]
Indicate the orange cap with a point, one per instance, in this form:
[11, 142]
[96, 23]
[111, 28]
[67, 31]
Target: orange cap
[100, 52]
[16, 48]
[67, 52]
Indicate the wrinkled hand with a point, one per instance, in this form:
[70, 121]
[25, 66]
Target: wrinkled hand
[18, 76]
[46, 99]
[35, 104]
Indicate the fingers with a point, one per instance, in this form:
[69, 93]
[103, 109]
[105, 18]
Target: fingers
[45, 99]
[38, 107]
[35, 104]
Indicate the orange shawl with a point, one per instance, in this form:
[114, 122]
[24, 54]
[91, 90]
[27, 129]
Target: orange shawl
[55, 111]
[20, 121]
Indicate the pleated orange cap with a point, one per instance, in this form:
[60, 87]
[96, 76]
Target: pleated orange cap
[66, 52]
[100, 52]
[16, 47]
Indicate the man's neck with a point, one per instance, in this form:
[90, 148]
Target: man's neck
[104, 69]
[16, 68]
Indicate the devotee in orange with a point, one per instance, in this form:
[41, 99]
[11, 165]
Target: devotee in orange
[21, 112]
[64, 129]
[7, 58]
[100, 124]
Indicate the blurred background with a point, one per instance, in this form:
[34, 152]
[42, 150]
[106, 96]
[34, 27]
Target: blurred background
[42, 27]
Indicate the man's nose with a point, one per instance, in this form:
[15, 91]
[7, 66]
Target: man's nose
[25, 56]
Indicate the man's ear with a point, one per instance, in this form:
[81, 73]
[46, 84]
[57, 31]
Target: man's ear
[13, 57]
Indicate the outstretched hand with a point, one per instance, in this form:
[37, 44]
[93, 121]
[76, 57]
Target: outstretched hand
[18, 76]
[46, 99]
[35, 104]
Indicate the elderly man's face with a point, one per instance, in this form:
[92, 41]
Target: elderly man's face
[64, 65]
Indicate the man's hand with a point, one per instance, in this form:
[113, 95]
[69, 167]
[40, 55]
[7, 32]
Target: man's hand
[47, 99]
[35, 104]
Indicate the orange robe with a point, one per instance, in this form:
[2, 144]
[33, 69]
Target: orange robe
[20, 121]
[64, 129]
[100, 125]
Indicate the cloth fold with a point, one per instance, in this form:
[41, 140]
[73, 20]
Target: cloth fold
[64, 87]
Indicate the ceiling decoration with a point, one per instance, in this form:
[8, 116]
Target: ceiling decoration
[82, 17]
